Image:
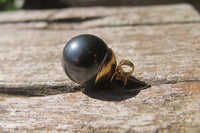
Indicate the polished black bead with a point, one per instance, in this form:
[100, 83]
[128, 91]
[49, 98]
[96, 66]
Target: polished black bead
[82, 57]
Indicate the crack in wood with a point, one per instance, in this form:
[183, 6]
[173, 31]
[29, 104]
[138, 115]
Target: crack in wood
[44, 90]
[63, 20]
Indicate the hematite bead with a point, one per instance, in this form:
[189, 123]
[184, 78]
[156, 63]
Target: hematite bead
[86, 59]
[83, 56]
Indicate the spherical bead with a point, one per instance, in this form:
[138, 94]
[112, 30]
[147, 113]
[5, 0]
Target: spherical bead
[82, 57]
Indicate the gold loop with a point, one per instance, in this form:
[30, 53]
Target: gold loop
[120, 74]
[127, 63]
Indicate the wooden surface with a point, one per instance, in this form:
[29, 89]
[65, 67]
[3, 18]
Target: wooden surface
[162, 41]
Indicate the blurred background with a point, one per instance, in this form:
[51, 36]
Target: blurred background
[10, 5]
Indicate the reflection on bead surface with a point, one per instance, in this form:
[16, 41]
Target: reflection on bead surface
[83, 56]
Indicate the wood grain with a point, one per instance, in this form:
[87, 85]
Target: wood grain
[162, 42]
[93, 17]
[163, 108]
[160, 55]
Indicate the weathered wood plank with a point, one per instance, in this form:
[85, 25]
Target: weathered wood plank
[172, 108]
[164, 48]
[83, 18]
[162, 54]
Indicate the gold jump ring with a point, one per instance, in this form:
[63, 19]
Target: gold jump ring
[121, 75]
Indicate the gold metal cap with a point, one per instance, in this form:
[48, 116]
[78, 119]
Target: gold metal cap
[108, 69]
